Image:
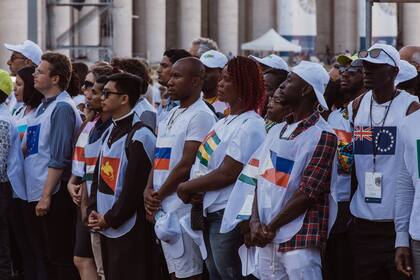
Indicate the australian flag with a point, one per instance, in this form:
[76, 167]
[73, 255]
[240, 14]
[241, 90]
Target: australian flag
[32, 139]
[384, 139]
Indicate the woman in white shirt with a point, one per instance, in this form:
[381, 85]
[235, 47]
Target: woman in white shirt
[25, 93]
[220, 159]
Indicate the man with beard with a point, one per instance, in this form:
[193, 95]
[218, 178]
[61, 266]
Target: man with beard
[338, 258]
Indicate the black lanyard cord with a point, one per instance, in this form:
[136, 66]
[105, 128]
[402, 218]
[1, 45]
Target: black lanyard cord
[382, 126]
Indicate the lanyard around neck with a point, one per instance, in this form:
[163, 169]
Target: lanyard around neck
[382, 126]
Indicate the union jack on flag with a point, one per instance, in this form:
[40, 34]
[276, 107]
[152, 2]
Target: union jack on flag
[362, 133]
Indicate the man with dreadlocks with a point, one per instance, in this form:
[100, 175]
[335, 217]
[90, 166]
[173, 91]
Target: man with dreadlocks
[220, 159]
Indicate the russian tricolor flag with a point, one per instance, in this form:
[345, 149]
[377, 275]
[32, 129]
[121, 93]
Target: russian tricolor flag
[277, 170]
[162, 158]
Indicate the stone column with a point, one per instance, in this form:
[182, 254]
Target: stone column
[189, 22]
[227, 25]
[122, 15]
[411, 23]
[89, 33]
[345, 26]
[13, 28]
[262, 17]
[60, 23]
[149, 26]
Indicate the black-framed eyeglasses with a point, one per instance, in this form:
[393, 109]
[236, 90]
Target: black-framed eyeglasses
[106, 93]
[374, 53]
[87, 84]
[13, 57]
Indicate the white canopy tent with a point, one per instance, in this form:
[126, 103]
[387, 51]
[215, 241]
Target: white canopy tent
[271, 41]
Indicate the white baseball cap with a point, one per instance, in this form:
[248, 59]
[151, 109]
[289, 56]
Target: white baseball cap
[315, 75]
[28, 49]
[388, 55]
[272, 61]
[406, 73]
[196, 235]
[168, 230]
[79, 99]
[214, 59]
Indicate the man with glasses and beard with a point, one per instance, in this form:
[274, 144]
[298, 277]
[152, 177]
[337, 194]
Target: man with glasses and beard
[337, 261]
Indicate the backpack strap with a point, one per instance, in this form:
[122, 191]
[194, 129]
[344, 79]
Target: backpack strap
[130, 135]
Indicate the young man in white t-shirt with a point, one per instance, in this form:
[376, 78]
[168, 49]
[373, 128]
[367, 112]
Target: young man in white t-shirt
[376, 117]
[179, 136]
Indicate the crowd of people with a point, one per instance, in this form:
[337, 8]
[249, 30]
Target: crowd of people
[221, 168]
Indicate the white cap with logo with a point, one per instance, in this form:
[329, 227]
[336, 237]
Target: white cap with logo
[272, 61]
[388, 55]
[214, 59]
[406, 73]
[315, 75]
[28, 49]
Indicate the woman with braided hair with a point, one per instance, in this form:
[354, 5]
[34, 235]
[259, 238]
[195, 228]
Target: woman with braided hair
[220, 159]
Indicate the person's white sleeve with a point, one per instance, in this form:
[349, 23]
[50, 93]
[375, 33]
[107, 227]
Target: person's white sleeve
[403, 204]
[199, 126]
[246, 140]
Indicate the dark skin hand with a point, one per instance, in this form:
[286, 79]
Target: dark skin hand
[219, 178]
[180, 173]
[260, 234]
[403, 261]
[296, 206]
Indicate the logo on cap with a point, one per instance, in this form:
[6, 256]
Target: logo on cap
[209, 55]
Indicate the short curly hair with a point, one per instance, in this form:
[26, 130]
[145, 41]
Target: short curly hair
[60, 65]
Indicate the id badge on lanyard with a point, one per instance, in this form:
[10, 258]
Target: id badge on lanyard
[373, 187]
[373, 180]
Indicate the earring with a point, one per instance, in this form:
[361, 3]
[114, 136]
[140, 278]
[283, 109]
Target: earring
[320, 109]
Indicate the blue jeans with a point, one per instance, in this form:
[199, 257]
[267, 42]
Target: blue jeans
[223, 260]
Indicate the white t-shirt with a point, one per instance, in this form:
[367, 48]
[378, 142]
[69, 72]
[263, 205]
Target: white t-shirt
[180, 125]
[240, 136]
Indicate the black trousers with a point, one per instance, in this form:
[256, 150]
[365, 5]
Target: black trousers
[133, 255]
[5, 259]
[52, 237]
[337, 262]
[372, 245]
[18, 229]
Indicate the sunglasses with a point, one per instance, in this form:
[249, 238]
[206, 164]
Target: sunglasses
[14, 57]
[106, 93]
[350, 69]
[374, 53]
[87, 84]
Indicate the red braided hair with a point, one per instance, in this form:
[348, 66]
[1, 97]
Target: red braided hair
[248, 78]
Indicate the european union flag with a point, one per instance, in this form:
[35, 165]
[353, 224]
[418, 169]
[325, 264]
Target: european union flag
[384, 138]
[32, 139]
